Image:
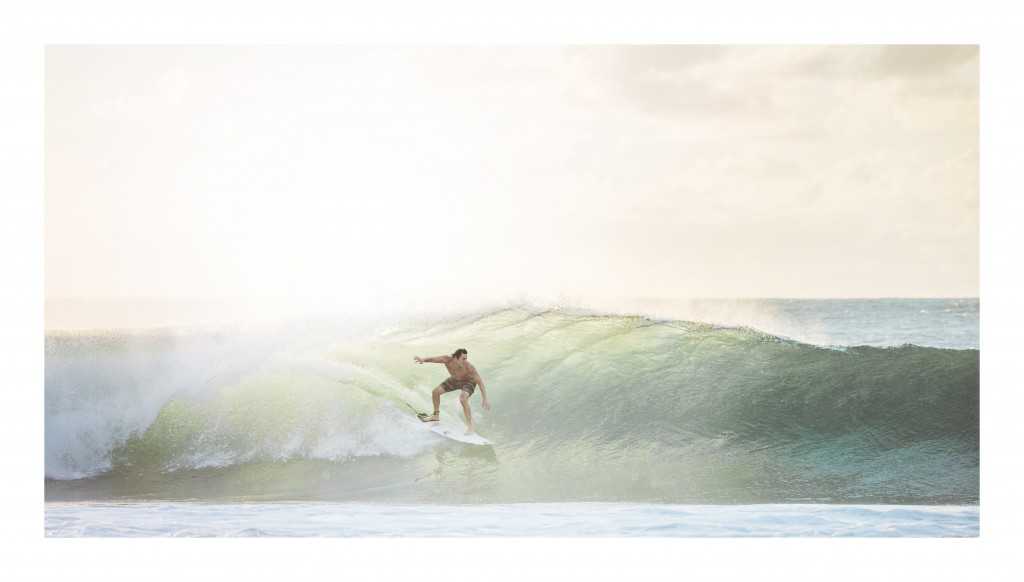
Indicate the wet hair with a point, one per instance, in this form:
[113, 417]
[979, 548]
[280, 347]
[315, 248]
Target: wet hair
[459, 352]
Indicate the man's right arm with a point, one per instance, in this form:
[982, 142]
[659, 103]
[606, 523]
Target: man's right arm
[432, 360]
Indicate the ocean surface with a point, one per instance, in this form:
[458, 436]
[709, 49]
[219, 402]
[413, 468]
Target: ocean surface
[549, 520]
[746, 418]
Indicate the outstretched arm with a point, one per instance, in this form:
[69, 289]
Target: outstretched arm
[433, 360]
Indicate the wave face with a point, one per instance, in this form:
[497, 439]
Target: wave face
[584, 408]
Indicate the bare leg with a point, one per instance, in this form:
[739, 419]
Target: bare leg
[436, 394]
[464, 399]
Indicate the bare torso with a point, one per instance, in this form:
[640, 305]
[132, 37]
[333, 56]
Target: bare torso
[460, 370]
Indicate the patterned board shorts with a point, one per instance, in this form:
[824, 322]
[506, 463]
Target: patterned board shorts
[468, 385]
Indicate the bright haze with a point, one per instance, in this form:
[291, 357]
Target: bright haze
[354, 178]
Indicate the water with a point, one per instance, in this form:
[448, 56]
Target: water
[515, 520]
[729, 418]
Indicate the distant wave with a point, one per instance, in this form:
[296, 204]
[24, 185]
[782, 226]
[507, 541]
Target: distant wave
[586, 407]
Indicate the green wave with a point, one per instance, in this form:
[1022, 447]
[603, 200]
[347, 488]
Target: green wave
[585, 407]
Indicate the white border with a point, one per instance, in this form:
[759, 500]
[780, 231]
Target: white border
[26, 25]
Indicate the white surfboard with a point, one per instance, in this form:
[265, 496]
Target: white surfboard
[455, 433]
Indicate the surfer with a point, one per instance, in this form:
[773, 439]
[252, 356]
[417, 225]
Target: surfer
[463, 377]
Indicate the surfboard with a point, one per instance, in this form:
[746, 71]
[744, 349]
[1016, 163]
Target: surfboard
[452, 432]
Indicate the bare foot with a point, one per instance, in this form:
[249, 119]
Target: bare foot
[469, 432]
[430, 418]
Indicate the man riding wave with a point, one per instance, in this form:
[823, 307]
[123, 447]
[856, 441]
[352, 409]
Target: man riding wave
[463, 377]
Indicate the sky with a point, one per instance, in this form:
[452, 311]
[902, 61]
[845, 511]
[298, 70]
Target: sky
[361, 175]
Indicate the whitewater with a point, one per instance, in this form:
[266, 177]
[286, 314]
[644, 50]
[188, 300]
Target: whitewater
[745, 419]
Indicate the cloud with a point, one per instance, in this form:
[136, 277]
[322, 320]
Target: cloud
[687, 83]
[919, 60]
[873, 62]
[661, 59]
[662, 81]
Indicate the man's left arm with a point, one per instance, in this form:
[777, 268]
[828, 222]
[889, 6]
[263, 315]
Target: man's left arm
[483, 389]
